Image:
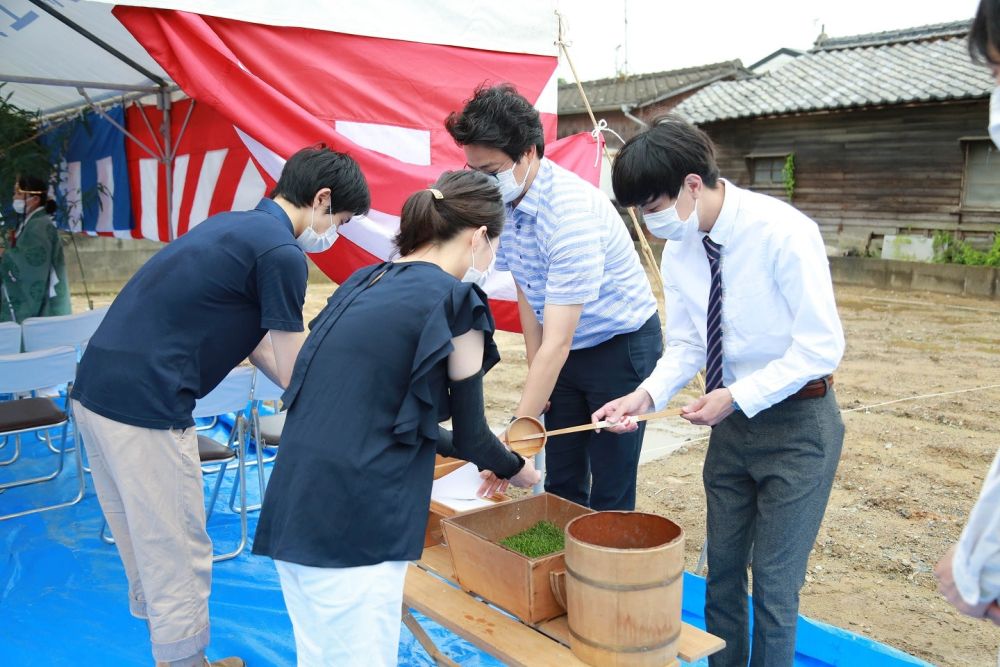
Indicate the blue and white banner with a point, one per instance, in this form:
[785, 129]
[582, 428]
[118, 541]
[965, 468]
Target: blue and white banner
[93, 191]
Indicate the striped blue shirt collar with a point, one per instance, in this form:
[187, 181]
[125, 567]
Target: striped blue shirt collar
[527, 208]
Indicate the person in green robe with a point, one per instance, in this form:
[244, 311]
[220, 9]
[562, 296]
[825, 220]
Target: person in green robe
[32, 266]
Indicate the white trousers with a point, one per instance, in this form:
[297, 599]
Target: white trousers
[344, 617]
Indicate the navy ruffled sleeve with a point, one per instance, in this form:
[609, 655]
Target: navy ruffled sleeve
[425, 405]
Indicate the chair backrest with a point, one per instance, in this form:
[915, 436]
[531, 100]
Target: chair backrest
[10, 337]
[29, 371]
[264, 389]
[42, 333]
[231, 395]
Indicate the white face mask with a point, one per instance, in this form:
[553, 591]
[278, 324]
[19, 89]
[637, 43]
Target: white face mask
[19, 206]
[310, 241]
[667, 224]
[995, 117]
[510, 189]
[474, 275]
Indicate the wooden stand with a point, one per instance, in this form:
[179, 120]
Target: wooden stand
[431, 590]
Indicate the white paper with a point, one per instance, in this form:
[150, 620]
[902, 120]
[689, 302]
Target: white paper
[458, 489]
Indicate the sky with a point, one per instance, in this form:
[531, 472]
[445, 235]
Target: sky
[667, 34]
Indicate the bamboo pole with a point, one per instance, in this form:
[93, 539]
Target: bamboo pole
[647, 252]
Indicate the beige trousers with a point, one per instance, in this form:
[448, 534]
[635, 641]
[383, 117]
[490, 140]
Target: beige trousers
[149, 485]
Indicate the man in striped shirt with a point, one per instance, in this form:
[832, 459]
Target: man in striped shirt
[591, 330]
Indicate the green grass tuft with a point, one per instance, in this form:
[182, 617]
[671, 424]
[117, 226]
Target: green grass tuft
[542, 539]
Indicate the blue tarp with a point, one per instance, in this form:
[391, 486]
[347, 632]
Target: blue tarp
[63, 596]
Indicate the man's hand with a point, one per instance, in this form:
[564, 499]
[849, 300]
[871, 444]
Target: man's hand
[947, 588]
[709, 409]
[621, 410]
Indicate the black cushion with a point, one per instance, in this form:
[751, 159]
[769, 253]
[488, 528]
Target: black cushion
[213, 451]
[29, 413]
[270, 428]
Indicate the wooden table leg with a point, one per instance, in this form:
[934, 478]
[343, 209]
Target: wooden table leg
[425, 640]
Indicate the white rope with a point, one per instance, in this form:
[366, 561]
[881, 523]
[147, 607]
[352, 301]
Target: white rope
[917, 398]
[878, 405]
[597, 132]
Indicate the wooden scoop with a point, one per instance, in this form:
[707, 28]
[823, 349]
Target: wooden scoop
[528, 438]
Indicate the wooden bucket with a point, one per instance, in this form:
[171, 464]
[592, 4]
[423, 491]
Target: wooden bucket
[623, 588]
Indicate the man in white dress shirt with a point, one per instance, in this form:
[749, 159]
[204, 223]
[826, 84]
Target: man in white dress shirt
[749, 297]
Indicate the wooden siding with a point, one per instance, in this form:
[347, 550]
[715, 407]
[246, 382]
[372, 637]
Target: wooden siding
[866, 173]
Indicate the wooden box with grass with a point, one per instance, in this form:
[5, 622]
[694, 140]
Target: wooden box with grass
[511, 580]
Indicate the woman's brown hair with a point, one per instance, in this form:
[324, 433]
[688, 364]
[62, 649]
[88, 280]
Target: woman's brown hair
[457, 200]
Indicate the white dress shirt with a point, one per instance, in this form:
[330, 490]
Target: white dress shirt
[976, 564]
[780, 325]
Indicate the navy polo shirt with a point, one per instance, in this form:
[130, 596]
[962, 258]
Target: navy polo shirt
[194, 311]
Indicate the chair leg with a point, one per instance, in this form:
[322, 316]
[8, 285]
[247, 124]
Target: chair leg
[44, 478]
[81, 481]
[17, 451]
[223, 467]
[240, 431]
[106, 537]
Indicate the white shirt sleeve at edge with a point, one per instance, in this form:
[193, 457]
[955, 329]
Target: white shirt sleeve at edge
[976, 564]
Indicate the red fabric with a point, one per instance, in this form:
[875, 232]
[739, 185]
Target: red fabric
[243, 71]
[206, 130]
[287, 87]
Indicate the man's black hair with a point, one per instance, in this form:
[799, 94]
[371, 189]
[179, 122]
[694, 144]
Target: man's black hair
[985, 32]
[654, 163]
[498, 117]
[312, 169]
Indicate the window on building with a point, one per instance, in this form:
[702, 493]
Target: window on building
[765, 170]
[981, 181]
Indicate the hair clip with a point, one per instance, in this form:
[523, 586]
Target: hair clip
[437, 193]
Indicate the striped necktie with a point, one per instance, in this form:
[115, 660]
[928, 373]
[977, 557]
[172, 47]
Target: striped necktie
[713, 362]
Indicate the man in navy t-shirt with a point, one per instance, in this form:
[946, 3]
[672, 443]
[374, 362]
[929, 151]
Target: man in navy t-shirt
[230, 288]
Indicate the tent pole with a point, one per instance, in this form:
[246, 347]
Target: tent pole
[67, 83]
[168, 162]
[97, 40]
[103, 114]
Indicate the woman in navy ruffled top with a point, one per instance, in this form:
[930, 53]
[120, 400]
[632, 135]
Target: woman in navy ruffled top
[400, 347]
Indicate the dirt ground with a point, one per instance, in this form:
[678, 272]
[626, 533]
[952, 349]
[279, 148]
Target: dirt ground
[909, 473]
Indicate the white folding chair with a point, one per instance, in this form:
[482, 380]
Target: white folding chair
[75, 330]
[231, 395]
[10, 338]
[25, 373]
[43, 333]
[10, 343]
[266, 429]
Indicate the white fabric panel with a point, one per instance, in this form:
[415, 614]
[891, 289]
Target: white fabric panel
[250, 189]
[29, 371]
[149, 182]
[406, 144]
[516, 26]
[105, 195]
[42, 333]
[548, 101]
[74, 193]
[180, 178]
[231, 395]
[268, 159]
[211, 167]
[36, 44]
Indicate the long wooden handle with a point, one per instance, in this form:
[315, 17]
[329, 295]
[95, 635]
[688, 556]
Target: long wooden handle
[672, 412]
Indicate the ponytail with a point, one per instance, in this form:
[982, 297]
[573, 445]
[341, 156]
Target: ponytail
[456, 201]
